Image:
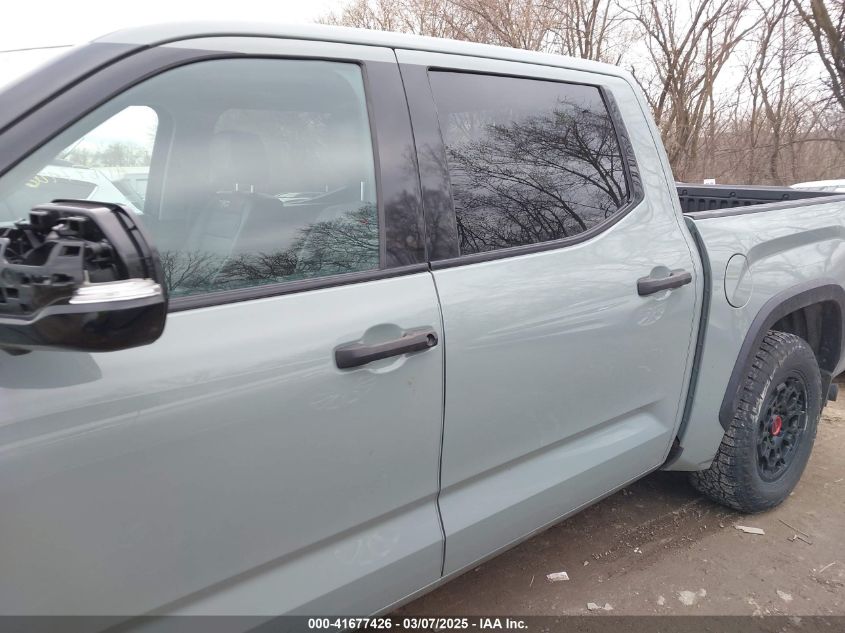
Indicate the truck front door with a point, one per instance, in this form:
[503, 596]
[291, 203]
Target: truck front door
[238, 464]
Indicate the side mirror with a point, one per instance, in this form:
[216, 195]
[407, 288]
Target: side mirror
[79, 275]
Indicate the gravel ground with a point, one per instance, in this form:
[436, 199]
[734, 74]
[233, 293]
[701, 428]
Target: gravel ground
[658, 548]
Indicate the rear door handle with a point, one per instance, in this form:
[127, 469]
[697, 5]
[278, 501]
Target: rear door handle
[357, 354]
[649, 285]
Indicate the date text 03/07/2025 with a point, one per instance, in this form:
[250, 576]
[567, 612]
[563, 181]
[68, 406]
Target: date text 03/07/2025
[416, 624]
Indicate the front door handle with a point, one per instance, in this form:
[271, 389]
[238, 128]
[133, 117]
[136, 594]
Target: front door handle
[357, 354]
[649, 285]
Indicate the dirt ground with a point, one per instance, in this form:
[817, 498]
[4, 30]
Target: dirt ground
[658, 548]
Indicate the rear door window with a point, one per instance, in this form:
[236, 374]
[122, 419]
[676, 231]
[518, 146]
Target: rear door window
[530, 161]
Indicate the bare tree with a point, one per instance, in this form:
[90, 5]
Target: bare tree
[781, 126]
[115, 154]
[436, 18]
[525, 24]
[535, 178]
[189, 271]
[344, 244]
[687, 51]
[582, 28]
[776, 56]
[591, 29]
[827, 26]
[731, 83]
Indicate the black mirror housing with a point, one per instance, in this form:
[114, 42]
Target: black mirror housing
[79, 275]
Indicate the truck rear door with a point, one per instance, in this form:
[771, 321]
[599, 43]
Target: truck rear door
[564, 380]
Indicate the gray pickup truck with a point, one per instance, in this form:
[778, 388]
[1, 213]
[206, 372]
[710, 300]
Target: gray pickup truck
[422, 300]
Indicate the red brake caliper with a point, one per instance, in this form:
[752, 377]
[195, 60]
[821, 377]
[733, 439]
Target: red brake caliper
[777, 425]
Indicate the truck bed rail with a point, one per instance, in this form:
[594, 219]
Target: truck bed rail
[714, 197]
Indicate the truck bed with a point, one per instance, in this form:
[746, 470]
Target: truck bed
[714, 197]
[756, 257]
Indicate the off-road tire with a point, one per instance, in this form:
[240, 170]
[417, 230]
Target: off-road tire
[738, 475]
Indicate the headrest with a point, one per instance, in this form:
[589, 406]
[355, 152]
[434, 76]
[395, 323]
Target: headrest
[238, 162]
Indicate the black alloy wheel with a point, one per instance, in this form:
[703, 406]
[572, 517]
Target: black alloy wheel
[781, 426]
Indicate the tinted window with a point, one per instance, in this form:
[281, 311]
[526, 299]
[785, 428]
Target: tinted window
[529, 161]
[265, 171]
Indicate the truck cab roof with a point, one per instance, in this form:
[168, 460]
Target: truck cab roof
[159, 34]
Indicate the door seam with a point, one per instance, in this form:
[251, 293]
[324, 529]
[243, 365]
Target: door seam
[442, 427]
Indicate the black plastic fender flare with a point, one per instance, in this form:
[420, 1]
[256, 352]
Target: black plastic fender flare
[777, 307]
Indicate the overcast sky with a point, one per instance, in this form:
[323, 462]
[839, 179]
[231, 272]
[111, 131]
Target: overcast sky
[27, 24]
[30, 24]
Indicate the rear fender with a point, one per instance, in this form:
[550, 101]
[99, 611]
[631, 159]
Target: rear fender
[828, 354]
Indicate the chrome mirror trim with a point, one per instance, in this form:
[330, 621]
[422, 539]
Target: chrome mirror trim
[123, 290]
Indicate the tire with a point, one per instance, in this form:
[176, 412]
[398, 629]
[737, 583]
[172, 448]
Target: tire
[768, 443]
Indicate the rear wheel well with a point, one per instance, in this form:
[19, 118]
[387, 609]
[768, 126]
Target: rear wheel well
[820, 324]
[812, 311]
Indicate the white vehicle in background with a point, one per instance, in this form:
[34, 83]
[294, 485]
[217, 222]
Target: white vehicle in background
[61, 179]
[130, 181]
[92, 183]
[821, 185]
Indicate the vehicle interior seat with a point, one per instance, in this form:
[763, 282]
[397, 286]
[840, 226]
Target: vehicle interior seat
[236, 218]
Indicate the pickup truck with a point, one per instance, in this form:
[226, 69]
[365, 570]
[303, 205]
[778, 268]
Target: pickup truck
[392, 305]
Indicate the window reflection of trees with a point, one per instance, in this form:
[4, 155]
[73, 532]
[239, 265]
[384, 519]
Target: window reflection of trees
[534, 178]
[345, 244]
